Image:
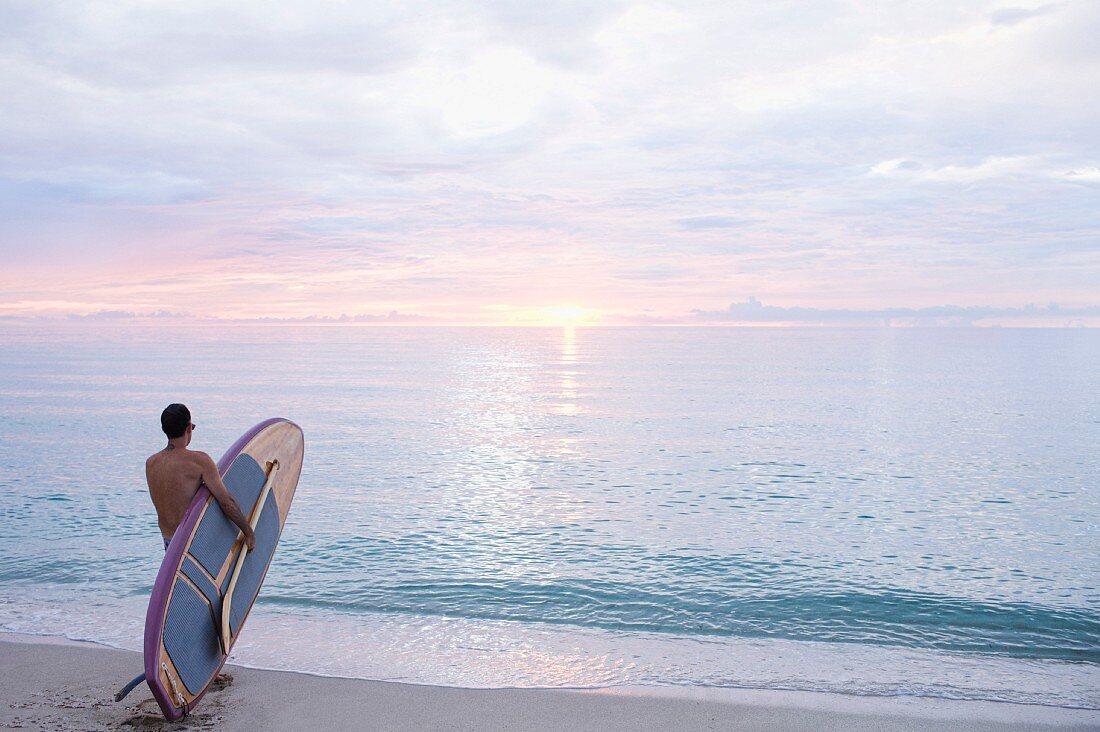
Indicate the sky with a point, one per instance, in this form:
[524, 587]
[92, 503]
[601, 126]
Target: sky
[551, 162]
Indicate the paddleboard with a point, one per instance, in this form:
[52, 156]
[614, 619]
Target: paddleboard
[208, 580]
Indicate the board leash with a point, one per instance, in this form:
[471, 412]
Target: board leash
[121, 693]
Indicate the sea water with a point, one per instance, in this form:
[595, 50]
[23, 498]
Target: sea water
[870, 511]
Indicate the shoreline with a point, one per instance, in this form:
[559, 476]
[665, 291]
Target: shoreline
[489, 654]
[56, 683]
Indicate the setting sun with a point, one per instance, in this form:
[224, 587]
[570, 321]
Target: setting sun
[568, 316]
[549, 316]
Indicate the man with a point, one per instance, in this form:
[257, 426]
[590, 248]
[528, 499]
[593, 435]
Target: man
[175, 473]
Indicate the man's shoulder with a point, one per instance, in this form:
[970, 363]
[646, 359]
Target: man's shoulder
[177, 457]
[200, 458]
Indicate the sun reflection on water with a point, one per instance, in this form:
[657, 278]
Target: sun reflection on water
[567, 395]
[503, 443]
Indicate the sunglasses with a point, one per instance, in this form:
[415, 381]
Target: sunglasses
[193, 426]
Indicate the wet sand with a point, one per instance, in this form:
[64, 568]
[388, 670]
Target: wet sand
[62, 686]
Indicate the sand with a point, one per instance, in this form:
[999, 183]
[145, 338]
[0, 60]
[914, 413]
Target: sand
[67, 686]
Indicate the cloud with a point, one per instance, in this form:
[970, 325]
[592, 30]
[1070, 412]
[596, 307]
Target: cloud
[125, 316]
[712, 222]
[754, 311]
[990, 168]
[391, 317]
[444, 157]
[1083, 175]
[117, 315]
[1016, 15]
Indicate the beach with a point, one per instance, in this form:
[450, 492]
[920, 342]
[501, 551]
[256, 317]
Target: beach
[65, 686]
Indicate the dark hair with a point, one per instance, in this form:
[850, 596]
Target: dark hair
[174, 420]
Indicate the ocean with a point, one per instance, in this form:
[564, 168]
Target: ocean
[867, 511]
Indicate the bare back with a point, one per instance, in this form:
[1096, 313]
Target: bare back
[174, 476]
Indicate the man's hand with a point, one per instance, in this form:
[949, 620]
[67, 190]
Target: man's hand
[250, 539]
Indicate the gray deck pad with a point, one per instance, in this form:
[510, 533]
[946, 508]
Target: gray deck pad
[206, 587]
[255, 565]
[189, 638]
[216, 533]
[192, 626]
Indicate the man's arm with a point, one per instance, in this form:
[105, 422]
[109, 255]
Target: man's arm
[225, 498]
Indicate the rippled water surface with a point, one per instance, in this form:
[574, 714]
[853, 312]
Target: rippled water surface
[878, 511]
